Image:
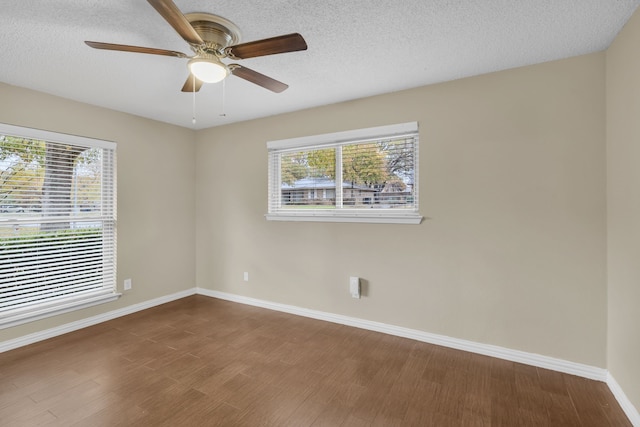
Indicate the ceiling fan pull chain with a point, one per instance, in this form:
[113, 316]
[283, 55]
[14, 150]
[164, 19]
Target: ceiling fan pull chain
[223, 114]
[193, 120]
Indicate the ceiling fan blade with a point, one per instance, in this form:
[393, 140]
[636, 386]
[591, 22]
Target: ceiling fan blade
[177, 20]
[192, 84]
[281, 44]
[257, 78]
[137, 49]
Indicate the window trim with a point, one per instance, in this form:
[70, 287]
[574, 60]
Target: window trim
[56, 306]
[338, 139]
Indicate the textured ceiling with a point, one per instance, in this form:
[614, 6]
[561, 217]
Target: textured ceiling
[357, 48]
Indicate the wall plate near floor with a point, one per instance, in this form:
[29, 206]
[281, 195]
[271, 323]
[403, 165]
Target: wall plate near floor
[354, 287]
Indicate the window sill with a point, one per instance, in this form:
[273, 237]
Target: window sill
[36, 312]
[412, 218]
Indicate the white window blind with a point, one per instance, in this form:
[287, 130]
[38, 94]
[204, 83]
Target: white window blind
[365, 175]
[57, 223]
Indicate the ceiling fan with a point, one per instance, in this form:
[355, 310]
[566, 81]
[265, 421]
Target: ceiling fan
[211, 39]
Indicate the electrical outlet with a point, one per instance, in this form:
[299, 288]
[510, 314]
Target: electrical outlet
[354, 286]
[246, 276]
[127, 284]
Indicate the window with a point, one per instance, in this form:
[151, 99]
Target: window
[57, 223]
[365, 175]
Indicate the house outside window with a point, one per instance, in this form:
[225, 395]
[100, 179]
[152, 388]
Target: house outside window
[366, 175]
[57, 223]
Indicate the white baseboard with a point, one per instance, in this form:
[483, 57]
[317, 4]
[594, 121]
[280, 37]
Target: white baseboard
[90, 321]
[573, 368]
[628, 408]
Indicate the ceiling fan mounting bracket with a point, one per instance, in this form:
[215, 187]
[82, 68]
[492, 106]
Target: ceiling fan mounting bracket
[216, 31]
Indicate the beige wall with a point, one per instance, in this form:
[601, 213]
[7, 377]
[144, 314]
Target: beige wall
[512, 184]
[156, 196]
[623, 194]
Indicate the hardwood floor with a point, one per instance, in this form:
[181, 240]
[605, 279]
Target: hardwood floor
[201, 361]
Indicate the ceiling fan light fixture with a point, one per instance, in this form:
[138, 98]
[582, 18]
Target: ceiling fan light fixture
[208, 70]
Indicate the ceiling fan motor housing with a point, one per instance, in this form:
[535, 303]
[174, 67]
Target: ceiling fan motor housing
[216, 31]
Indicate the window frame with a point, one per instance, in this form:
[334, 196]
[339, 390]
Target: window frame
[74, 301]
[338, 140]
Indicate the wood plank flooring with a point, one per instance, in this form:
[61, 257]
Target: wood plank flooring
[201, 361]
